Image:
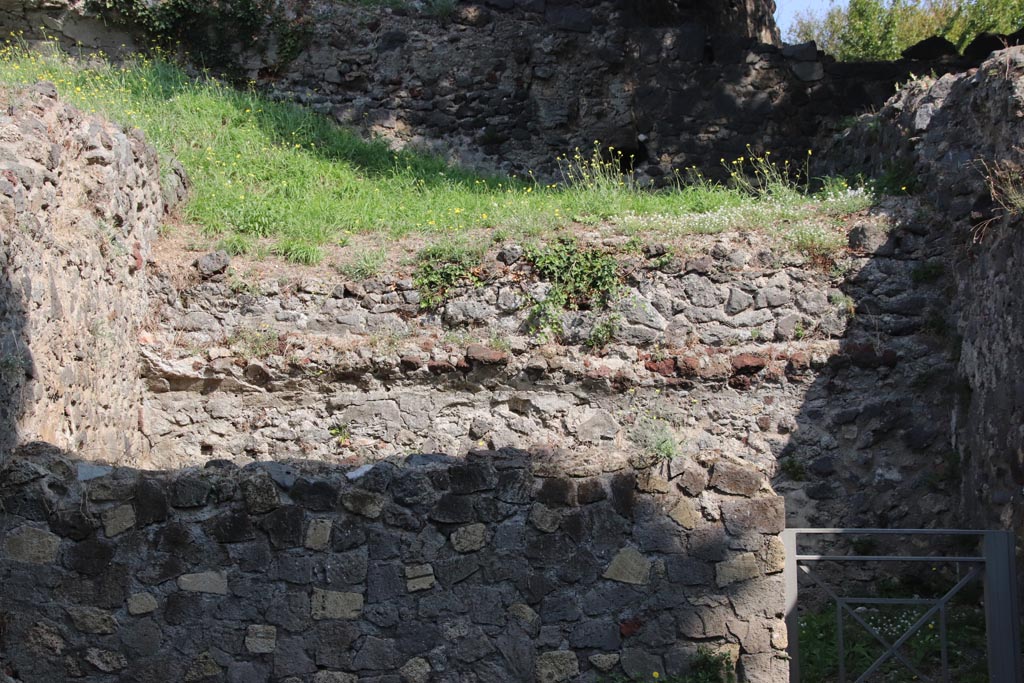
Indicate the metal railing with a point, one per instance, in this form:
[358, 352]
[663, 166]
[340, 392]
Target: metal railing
[994, 567]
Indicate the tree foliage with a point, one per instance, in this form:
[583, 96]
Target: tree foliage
[882, 29]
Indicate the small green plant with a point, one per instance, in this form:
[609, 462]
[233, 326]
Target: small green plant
[793, 469]
[603, 169]
[364, 264]
[657, 438]
[253, 343]
[499, 343]
[663, 261]
[818, 243]
[845, 304]
[582, 277]
[712, 667]
[236, 243]
[833, 187]
[602, 332]
[242, 285]
[299, 250]
[634, 245]
[1005, 181]
[798, 331]
[898, 178]
[99, 329]
[12, 364]
[758, 175]
[342, 433]
[441, 268]
[1006, 184]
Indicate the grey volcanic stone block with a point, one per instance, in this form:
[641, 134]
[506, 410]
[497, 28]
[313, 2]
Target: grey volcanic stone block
[284, 526]
[377, 654]
[212, 264]
[32, 545]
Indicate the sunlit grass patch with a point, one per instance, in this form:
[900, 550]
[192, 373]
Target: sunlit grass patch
[273, 172]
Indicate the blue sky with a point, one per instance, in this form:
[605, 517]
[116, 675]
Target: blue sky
[786, 10]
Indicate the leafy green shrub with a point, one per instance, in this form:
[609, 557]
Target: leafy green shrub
[585, 277]
[442, 267]
[881, 29]
[581, 278]
[198, 25]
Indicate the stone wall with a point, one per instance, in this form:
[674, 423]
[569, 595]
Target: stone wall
[512, 91]
[989, 421]
[948, 135]
[823, 378]
[79, 201]
[501, 566]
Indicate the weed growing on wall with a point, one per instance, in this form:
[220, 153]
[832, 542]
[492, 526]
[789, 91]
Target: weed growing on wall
[254, 343]
[657, 439]
[1005, 179]
[443, 267]
[581, 277]
[707, 666]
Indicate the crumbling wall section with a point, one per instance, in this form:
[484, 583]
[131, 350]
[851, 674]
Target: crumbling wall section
[80, 200]
[951, 138]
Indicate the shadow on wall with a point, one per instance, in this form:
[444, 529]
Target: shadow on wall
[872, 445]
[17, 368]
[496, 565]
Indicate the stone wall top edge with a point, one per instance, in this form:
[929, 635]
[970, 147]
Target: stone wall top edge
[681, 476]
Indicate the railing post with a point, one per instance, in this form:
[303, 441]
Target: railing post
[790, 574]
[1001, 608]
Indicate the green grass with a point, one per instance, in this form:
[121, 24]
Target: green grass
[273, 176]
[364, 264]
[966, 638]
